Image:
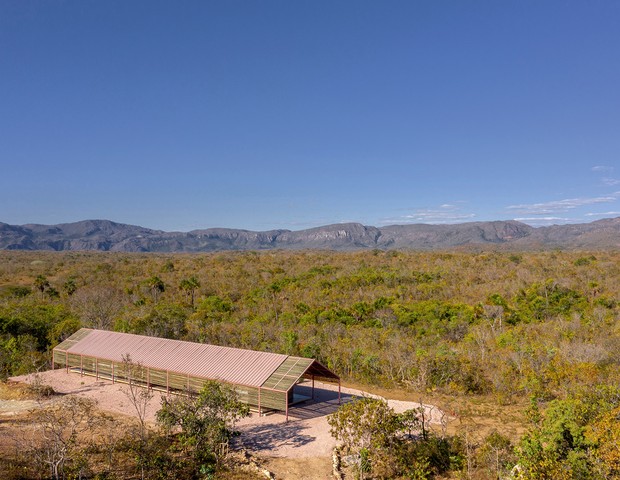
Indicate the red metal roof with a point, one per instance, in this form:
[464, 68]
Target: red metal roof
[231, 365]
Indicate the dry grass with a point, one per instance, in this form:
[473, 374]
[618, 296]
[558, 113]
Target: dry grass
[16, 391]
[314, 468]
[475, 414]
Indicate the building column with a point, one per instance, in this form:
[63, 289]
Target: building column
[287, 406]
[338, 391]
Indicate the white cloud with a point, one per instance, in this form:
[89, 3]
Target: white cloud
[443, 214]
[611, 181]
[603, 214]
[558, 206]
[602, 168]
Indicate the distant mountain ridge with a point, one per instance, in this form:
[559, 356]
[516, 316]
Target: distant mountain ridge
[105, 235]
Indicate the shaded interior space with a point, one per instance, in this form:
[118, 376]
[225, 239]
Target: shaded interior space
[315, 402]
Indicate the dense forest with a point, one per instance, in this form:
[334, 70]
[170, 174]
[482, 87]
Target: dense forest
[534, 327]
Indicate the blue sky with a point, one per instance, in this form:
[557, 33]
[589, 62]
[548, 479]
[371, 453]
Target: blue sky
[292, 114]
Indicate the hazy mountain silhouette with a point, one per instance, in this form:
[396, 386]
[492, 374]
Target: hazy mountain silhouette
[104, 235]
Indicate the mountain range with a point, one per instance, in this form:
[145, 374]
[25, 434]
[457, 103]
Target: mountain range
[105, 235]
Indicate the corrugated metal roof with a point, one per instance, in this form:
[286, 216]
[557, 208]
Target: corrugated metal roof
[232, 365]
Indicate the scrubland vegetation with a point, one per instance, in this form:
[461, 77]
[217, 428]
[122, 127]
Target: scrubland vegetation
[532, 329]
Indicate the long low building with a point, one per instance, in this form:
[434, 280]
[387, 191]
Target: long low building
[262, 380]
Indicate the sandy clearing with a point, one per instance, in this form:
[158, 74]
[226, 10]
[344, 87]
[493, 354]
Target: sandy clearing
[109, 396]
[305, 435]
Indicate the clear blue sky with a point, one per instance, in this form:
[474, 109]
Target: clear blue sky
[266, 114]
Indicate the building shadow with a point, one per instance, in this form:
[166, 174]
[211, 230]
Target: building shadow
[270, 436]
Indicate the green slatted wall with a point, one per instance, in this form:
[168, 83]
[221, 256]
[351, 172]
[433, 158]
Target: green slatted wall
[59, 352]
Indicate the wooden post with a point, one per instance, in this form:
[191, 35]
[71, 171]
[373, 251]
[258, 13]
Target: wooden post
[81, 365]
[259, 412]
[312, 387]
[167, 382]
[97, 368]
[67, 361]
[338, 391]
[112, 371]
[148, 378]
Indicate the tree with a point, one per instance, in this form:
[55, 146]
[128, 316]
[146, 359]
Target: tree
[168, 267]
[70, 286]
[557, 447]
[382, 440]
[206, 421]
[165, 320]
[57, 430]
[190, 285]
[496, 453]
[366, 427]
[97, 306]
[412, 420]
[605, 435]
[41, 283]
[52, 293]
[157, 287]
[140, 398]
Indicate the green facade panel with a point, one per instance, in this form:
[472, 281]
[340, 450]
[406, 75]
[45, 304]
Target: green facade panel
[73, 339]
[287, 374]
